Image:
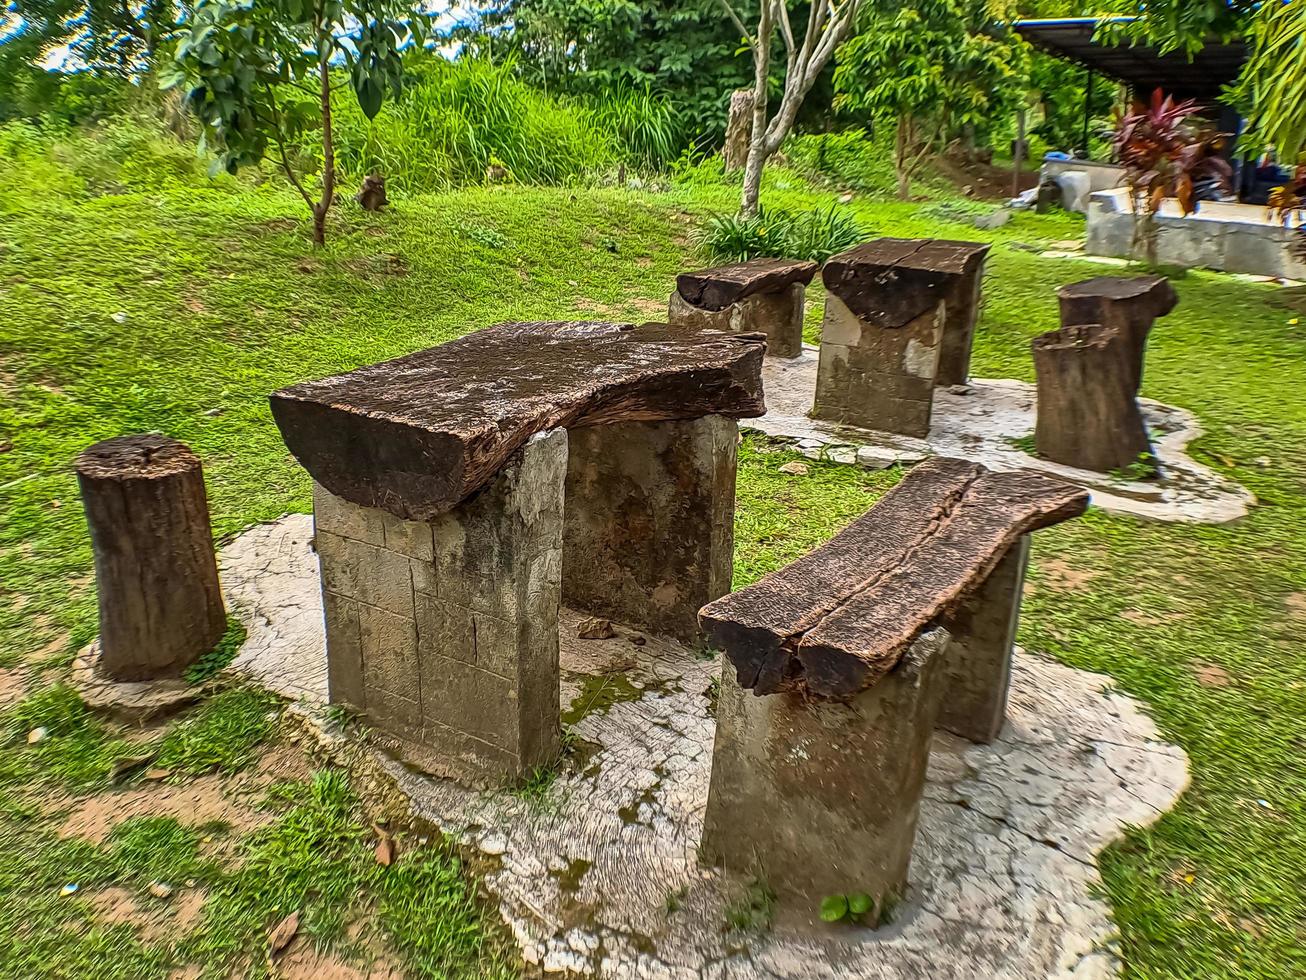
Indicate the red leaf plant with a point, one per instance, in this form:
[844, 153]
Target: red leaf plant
[1167, 152]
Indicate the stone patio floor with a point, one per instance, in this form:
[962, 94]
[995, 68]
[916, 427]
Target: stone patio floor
[981, 421]
[599, 876]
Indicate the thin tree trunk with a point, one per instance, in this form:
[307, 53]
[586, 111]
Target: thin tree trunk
[900, 152]
[738, 130]
[323, 206]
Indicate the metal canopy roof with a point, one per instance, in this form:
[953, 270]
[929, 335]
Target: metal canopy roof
[1140, 66]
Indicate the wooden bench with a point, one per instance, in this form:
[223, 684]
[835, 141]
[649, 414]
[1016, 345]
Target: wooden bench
[900, 319]
[763, 295]
[464, 492]
[852, 655]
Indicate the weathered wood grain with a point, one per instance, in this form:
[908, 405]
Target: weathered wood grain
[725, 285]
[156, 573]
[418, 435]
[890, 282]
[1130, 303]
[838, 619]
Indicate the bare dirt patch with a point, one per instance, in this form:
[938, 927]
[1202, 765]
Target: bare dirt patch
[1210, 675]
[1296, 604]
[649, 307]
[197, 802]
[12, 687]
[155, 920]
[303, 962]
[1143, 617]
[232, 800]
[1065, 577]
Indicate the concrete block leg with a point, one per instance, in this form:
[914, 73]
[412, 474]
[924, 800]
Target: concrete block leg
[877, 377]
[821, 798]
[444, 634]
[779, 315]
[649, 535]
[977, 673]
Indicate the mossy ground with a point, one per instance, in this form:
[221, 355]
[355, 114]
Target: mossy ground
[179, 311]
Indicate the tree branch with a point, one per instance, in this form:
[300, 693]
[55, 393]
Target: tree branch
[281, 149]
[738, 23]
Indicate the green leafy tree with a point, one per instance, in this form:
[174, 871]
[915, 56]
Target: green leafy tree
[683, 50]
[101, 35]
[1274, 81]
[931, 68]
[260, 77]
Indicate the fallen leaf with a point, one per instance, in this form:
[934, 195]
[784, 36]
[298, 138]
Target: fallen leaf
[282, 934]
[385, 847]
[36, 735]
[595, 628]
[160, 890]
[795, 468]
[157, 775]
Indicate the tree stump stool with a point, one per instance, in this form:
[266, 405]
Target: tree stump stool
[900, 319]
[156, 573]
[853, 654]
[762, 296]
[1133, 304]
[1088, 412]
[466, 491]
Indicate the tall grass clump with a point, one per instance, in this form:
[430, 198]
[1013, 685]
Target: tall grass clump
[457, 119]
[776, 233]
[649, 134]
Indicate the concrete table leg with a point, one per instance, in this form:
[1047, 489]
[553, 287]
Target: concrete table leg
[779, 315]
[962, 314]
[876, 377]
[444, 635]
[977, 674]
[821, 798]
[649, 536]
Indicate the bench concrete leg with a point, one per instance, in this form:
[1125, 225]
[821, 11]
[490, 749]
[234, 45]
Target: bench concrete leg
[978, 669]
[821, 798]
[778, 315]
[875, 377]
[444, 635]
[649, 536]
[963, 309]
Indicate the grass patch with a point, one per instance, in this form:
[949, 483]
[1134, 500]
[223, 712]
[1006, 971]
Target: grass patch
[74, 747]
[225, 301]
[220, 656]
[222, 735]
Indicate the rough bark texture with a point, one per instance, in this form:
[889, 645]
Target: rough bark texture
[891, 281]
[1088, 414]
[649, 536]
[821, 798]
[443, 634]
[156, 574]
[418, 435]
[836, 621]
[1131, 304]
[977, 671]
[739, 129]
[778, 316]
[717, 288]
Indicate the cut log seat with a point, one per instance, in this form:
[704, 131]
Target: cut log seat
[725, 285]
[763, 295]
[837, 620]
[1130, 303]
[419, 435]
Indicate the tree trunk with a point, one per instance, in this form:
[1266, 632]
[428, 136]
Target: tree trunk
[157, 577]
[1088, 414]
[753, 180]
[901, 150]
[739, 129]
[323, 207]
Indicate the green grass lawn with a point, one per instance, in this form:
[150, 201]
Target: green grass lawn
[181, 311]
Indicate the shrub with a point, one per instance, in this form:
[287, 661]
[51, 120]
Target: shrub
[851, 159]
[775, 233]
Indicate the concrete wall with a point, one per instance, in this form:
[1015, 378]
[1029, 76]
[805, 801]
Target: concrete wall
[1224, 237]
